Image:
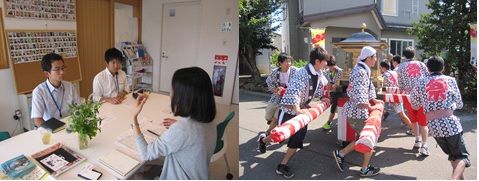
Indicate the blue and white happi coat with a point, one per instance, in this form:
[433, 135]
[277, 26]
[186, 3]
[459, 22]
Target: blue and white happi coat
[300, 89]
[361, 90]
[333, 79]
[273, 81]
[439, 92]
[409, 73]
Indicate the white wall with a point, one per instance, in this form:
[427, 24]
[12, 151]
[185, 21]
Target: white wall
[214, 13]
[8, 96]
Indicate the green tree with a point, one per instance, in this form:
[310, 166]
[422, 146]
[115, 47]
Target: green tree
[255, 31]
[444, 32]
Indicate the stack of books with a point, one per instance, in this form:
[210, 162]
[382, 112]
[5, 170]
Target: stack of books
[58, 159]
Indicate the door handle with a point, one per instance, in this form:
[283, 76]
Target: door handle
[163, 55]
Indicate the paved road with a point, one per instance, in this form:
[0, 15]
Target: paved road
[393, 154]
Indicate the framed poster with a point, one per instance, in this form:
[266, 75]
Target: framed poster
[219, 72]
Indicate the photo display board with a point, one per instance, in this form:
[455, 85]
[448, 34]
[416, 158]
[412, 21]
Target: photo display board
[26, 49]
[41, 9]
[30, 46]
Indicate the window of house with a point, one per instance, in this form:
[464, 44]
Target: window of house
[389, 7]
[396, 46]
[301, 8]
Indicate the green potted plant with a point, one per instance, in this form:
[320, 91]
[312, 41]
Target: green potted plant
[83, 120]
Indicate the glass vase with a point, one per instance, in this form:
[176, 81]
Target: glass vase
[83, 141]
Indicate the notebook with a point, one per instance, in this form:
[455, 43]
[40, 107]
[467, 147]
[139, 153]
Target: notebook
[53, 124]
[118, 162]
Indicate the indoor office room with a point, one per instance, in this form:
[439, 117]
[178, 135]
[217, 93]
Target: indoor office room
[158, 42]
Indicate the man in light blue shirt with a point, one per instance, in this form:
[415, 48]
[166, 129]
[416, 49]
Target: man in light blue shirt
[51, 98]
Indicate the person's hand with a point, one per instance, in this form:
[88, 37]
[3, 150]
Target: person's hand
[139, 102]
[121, 96]
[167, 122]
[329, 86]
[306, 106]
[377, 101]
[325, 100]
[113, 100]
[304, 111]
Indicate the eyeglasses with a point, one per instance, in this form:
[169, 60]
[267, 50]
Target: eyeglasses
[58, 69]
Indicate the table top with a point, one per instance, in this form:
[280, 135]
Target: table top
[117, 120]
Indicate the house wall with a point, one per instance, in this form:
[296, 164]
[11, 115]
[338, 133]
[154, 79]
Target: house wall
[321, 6]
[405, 16]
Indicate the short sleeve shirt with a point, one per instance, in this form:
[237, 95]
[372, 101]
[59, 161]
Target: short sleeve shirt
[43, 103]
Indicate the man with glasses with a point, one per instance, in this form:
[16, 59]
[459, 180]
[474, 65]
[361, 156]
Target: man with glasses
[51, 98]
[111, 85]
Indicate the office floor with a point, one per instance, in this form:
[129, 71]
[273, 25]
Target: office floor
[218, 168]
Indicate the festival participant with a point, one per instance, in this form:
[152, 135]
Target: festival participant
[361, 92]
[440, 96]
[409, 73]
[390, 80]
[277, 81]
[305, 85]
[333, 73]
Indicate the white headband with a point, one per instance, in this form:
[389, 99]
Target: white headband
[366, 52]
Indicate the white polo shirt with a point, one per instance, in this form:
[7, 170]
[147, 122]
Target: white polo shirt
[48, 101]
[105, 84]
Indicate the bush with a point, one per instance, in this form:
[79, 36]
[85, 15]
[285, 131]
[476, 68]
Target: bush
[296, 63]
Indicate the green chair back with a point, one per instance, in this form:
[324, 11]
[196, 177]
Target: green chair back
[220, 131]
[4, 135]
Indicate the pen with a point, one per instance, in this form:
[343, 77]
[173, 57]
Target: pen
[152, 132]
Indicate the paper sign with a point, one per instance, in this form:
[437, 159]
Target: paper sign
[226, 27]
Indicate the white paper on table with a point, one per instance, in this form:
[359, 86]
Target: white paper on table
[106, 119]
[54, 162]
[127, 139]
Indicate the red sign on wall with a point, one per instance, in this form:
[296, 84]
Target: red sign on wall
[221, 59]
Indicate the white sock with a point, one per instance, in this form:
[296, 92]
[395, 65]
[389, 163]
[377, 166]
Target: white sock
[424, 144]
[418, 138]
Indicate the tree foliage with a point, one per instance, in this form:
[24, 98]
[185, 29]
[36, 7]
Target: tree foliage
[295, 63]
[444, 32]
[255, 31]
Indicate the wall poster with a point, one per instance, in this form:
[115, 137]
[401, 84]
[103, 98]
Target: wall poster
[219, 72]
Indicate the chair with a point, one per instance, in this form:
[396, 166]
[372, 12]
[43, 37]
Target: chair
[221, 143]
[4, 135]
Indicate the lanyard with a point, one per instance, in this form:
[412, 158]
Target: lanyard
[63, 95]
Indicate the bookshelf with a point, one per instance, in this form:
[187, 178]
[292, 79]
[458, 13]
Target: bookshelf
[138, 66]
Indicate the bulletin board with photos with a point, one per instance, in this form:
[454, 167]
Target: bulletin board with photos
[41, 9]
[32, 45]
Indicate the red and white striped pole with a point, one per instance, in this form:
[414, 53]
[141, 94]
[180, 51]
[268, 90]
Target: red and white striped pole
[396, 98]
[289, 128]
[370, 133]
[393, 90]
